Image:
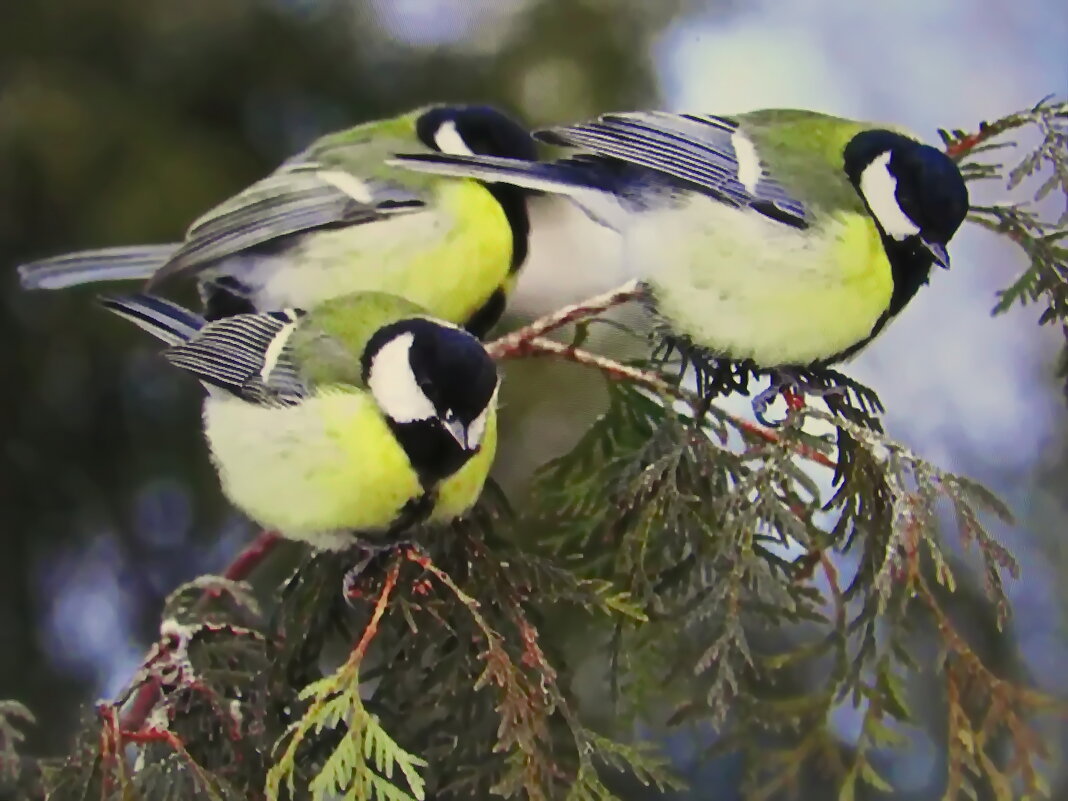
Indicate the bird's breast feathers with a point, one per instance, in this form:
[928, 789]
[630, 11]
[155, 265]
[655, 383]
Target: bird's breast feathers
[448, 258]
[315, 471]
[745, 286]
[458, 492]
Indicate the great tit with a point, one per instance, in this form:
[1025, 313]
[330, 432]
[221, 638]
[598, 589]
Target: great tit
[334, 220]
[352, 421]
[786, 238]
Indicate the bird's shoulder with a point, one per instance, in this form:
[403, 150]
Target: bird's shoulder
[363, 150]
[803, 150]
[329, 343]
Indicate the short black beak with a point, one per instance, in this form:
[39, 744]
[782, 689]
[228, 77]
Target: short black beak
[938, 253]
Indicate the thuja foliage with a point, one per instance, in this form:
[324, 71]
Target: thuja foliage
[1042, 237]
[707, 572]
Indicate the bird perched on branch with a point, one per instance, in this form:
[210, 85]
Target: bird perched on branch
[784, 238]
[359, 418]
[334, 220]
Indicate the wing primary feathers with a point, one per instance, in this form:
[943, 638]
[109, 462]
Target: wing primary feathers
[698, 150]
[638, 158]
[245, 355]
[137, 262]
[282, 205]
[587, 183]
[166, 321]
[550, 177]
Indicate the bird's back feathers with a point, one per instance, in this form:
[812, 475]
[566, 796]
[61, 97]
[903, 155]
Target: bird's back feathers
[287, 202]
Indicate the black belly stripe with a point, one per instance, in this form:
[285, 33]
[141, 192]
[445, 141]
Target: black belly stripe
[480, 323]
[513, 203]
[910, 268]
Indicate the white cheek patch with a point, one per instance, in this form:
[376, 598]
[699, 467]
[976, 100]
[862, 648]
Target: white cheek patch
[393, 384]
[748, 161]
[477, 430]
[879, 188]
[349, 184]
[448, 140]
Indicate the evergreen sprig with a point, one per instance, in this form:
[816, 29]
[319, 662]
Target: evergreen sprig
[13, 717]
[1042, 239]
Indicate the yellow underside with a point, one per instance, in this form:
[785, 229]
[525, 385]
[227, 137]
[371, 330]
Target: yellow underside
[328, 469]
[744, 286]
[448, 258]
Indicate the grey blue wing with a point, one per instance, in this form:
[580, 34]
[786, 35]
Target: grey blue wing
[597, 188]
[288, 202]
[165, 320]
[705, 153]
[136, 262]
[247, 356]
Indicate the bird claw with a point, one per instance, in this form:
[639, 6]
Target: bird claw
[793, 387]
[350, 589]
[762, 401]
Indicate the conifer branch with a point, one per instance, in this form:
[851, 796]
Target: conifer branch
[540, 346]
[147, 695]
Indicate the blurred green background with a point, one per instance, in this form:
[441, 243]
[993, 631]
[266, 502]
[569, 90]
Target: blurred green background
[121, 120]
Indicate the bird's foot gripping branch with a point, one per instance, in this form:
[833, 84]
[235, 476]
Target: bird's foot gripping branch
[682, 568]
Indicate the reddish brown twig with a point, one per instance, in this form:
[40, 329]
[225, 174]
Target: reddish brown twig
[507, 345]
[539, 346]
[148, 694]
[252, 555]
[144, 701]
[962, 147]
[371, 629]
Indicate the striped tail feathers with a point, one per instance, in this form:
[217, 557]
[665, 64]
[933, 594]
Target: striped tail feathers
[587, 182]
[167, 321]
[137, 262]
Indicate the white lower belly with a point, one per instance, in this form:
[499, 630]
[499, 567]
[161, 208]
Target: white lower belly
[743, 286]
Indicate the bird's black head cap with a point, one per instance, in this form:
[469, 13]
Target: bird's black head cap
[927, 185]
[917, 197]
[485, 131]
[436, 385]
[482, 130]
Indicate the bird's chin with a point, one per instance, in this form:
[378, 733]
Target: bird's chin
[433, 452]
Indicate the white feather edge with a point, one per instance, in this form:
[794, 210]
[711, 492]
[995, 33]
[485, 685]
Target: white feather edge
[274, 350]
[477, 429]
[449, 140]
[745, 153]
[349, 184]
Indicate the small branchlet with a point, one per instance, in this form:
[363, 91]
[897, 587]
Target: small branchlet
[1043, 240]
